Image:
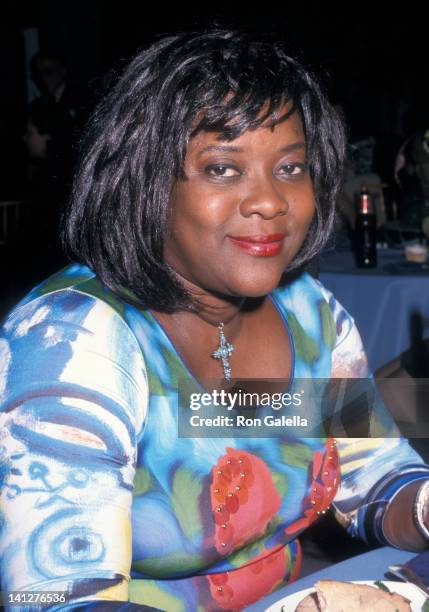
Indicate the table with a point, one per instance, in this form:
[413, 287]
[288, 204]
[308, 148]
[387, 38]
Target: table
[389, 303]
[369, 566]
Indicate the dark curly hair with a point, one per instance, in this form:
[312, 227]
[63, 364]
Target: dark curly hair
[137, 140]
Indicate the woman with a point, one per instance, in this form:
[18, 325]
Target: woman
[210, 169]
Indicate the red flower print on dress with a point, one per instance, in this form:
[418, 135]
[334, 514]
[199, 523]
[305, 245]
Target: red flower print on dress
[241, 587]
[243, 497]
[325, 482]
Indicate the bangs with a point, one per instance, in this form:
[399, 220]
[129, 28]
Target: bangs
[241, 111]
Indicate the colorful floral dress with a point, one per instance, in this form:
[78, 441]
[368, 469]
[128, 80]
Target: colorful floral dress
[102, 499]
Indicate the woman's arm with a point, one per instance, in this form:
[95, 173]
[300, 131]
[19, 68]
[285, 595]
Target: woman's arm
[401, 521]
[376, 501]
[74, 397]
[379, 476]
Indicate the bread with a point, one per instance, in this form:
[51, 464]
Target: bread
[308, 604]
[334, 596]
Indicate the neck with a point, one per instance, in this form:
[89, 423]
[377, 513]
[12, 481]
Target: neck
[208, 314]
[210, 310]
[214, 310]
[197, 336]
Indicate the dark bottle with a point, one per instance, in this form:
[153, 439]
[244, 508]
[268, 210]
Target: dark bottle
[366, 232]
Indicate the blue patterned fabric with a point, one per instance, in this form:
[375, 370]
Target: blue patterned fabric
[102, 499]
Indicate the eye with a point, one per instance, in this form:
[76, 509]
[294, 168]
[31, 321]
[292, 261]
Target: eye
[292, 169]
[221, 171]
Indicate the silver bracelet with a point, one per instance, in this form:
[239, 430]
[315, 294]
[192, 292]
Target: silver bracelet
[421, 508]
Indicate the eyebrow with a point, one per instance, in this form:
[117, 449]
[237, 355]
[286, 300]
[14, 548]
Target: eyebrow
[233, 149]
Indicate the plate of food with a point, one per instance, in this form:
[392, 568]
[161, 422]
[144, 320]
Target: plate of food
[362, 596]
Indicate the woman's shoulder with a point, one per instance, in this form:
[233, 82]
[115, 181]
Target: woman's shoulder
[305, 291]
[73, 288]
[314, 310]
[73, 278]
[68, 332]
[73, 298]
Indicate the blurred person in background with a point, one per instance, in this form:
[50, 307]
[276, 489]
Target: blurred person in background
[412, 176]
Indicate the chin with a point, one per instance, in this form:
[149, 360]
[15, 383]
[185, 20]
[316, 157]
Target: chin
[257, 287]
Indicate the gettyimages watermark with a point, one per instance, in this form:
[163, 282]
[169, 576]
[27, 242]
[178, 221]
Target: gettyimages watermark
[349, 407]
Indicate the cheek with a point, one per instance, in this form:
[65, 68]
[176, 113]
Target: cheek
[198, 210]
[192, 229]
[303, 209]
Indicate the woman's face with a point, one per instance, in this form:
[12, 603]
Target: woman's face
[243, 212]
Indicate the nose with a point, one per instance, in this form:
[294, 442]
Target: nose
[265, 198]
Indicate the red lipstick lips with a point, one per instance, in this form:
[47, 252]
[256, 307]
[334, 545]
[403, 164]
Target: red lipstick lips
[260, 245]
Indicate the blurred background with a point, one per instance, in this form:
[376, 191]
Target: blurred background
[57, 57]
